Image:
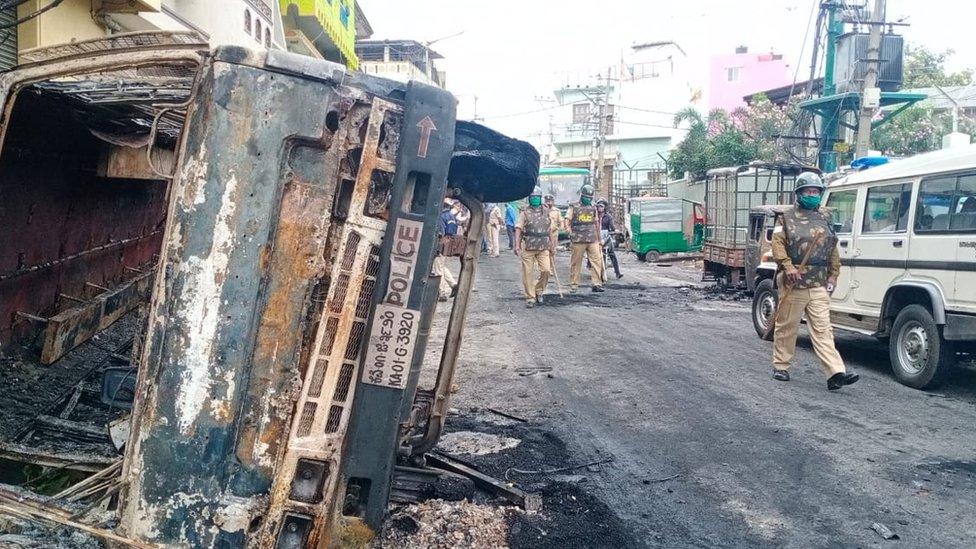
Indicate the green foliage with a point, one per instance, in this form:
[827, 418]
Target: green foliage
[724, 139]
[925, 68]
[917, 130]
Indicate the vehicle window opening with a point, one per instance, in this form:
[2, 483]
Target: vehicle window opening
[756, 231]
[841, 205]
[415, 193]
[357, 496]
[887, 208]
[343, 200]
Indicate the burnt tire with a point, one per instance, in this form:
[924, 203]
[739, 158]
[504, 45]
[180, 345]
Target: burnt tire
[920, 356]
[764, 302]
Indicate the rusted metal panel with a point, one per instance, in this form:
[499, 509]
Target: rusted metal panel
[419, 186]
[269, 213]
[72, 327]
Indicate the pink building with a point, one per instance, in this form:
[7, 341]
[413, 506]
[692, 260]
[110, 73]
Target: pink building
[744, 73]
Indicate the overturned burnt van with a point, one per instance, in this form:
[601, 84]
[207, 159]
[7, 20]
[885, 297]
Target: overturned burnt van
[216, 289]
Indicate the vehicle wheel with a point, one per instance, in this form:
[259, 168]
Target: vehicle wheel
[641, 256]
[764, 301]
[653, 255]
[920, 357]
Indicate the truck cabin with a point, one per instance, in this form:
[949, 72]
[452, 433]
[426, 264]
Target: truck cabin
[200, 256]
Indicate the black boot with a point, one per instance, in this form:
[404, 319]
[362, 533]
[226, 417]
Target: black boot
[781, 375]
[597, 288]
[835, 382]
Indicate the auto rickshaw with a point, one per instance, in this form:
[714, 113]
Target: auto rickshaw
[662, 225]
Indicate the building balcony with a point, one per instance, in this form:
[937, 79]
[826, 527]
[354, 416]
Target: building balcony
[329, 25]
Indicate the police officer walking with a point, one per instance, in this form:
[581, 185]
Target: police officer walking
[584, 233]
[807, 288]
[533, 244]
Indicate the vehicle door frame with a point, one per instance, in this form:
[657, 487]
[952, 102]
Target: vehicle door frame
[880, 256]
[846, 245]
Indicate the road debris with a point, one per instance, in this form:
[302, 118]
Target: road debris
[884, 531]
[470, 443]
[442, 524]
[559, 470]
[509, 416]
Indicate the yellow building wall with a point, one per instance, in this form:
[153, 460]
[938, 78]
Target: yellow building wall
[69, 22]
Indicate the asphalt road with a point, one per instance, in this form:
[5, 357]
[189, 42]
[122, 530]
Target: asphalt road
[709, 450]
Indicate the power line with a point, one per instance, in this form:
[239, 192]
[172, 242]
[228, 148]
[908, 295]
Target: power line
[645, 110]
[514, 114]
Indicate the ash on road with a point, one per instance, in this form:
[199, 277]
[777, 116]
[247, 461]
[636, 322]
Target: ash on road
[708, 450]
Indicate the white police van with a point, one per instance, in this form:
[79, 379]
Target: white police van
[907, 237]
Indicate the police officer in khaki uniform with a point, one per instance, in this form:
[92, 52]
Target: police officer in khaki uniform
[584, 233]
[807, 290]
[533, 244]
[556, 218]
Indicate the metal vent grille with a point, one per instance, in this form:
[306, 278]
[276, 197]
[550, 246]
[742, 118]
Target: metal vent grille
[318, 376]
[339, 296]
[345, 380]
[335, 418]
[308, 417]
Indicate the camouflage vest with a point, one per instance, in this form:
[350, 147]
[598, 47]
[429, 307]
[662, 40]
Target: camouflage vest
[583, 225]
[535, 234]
[802, 227]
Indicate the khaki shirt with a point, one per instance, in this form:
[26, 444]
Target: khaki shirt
[569, 216]
[555, 222]
[782, 257]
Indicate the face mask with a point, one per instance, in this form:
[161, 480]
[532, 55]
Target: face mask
[809, 202]
[585, 200]
[535, 201]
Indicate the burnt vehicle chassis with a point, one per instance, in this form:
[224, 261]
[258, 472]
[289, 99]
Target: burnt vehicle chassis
[231, 230]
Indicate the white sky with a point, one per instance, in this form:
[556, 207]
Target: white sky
[512, 53]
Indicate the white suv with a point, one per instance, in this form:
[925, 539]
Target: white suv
[907, 234]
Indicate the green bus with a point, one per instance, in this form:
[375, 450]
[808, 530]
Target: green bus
[661, 225]
[563, 183]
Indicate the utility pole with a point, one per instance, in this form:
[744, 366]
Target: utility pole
[602, 113]
[870, 94]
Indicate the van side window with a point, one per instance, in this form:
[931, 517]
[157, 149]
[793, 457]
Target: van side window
[887, 208]
[947, 204]
[756, 230]
[841, 205]
[964, 213]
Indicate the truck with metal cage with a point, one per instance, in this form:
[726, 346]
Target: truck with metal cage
[730, 195]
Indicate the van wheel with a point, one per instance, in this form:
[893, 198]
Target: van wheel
[653, 255]
[641, 256]
[920, 357]
[764, 301]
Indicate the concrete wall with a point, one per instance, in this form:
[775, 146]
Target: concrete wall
[68, 22]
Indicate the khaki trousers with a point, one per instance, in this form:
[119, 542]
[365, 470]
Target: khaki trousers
[448, 281]
[815, 302]
[529, 260]
[493, 240]
[595, 255]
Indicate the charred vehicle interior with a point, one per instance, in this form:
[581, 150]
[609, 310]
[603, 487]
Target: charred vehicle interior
[213, 320]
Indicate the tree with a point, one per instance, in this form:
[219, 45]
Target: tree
[917, 130]
[722, 140]
[925, 68]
